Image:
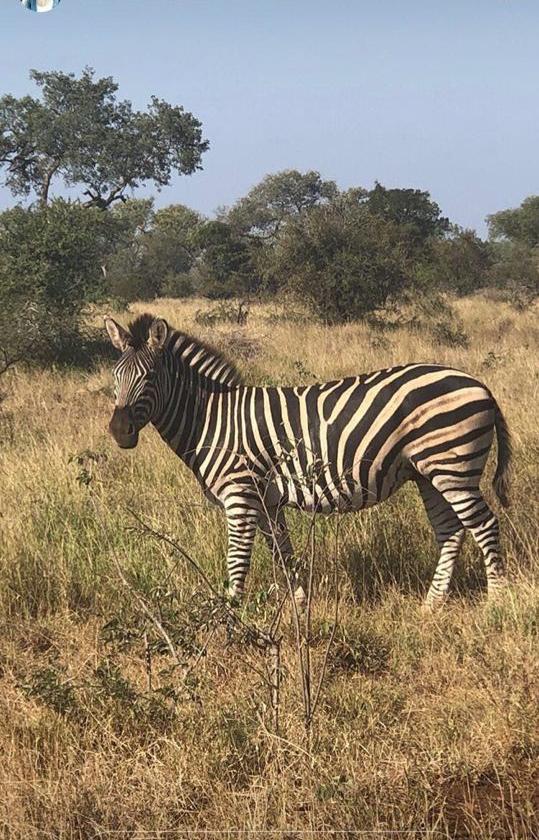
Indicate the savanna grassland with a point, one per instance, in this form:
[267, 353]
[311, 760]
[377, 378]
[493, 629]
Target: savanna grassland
[427, 723]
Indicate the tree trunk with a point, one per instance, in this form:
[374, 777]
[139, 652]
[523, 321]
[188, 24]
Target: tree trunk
[44, 194]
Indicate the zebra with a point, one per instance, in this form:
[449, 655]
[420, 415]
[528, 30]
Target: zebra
[338, 446]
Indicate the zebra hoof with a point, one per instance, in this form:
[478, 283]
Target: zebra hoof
[300, 599]
[498, 590]
[235, 597]
[433, 603]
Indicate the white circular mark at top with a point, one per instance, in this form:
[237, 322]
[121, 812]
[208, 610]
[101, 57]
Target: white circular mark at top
[39, 5]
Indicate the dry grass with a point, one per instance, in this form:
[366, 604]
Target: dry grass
[427, 724]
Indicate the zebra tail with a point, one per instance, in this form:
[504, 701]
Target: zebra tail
[505, 453]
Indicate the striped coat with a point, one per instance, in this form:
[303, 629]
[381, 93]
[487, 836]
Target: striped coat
[338, 446]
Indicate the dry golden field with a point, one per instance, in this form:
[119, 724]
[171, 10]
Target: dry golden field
[427, 723]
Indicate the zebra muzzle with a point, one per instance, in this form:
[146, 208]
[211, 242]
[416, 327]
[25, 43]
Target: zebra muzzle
[123, 429]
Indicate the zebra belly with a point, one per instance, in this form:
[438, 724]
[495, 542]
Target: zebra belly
[346, 497]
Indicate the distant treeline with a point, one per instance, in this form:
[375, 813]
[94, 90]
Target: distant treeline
[343, 254]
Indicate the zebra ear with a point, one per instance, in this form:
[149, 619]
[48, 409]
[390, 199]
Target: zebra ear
[158, 333]
[117, 334]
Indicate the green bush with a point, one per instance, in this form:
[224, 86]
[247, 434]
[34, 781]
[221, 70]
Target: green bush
[225, 267]
[459, 264]
[129, 287]
[51, 266]
[177, 285]
[515, 270]
[342, 260]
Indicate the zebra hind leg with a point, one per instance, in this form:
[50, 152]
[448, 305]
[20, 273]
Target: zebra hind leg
[449, 534]
[476, 516]
[275, 531]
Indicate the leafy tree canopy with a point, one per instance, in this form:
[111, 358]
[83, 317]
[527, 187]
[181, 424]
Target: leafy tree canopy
[170, 247]
[520, 224]
[515, 269]
[135, 216]
[51, 264]
[82, 134]
[459, 263]
[277, 198]
[419, 217]
[56, 254]
[225, 266]
[342, 260]
[159, 247]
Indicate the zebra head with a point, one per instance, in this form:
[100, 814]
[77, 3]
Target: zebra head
[138, 376]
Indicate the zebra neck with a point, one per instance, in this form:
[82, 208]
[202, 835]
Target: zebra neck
[199, 378]
[205, 361]
[189, 410]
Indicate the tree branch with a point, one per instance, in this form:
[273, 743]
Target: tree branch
[6, 362]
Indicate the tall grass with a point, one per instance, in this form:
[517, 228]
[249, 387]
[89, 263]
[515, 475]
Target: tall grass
[427, 723]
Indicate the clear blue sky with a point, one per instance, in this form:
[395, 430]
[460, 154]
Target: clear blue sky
[441, 95]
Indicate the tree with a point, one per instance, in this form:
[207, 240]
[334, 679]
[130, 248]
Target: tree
[279, 197]
[134, 220]
[171, 250]
[56, 252]
[225, 267]
[80, 133]
[515, 269]
[413, 210]
[460, 263]
[520, 224]
[122, 268]
[342, 260]
[51, 262]
[171, 245]
[157, 256]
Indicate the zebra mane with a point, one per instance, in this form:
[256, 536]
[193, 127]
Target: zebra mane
[139, 330]
[205, 359]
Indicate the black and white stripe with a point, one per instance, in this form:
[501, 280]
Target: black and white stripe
[338, 446]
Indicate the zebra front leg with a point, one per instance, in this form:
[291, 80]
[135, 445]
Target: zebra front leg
[241, 534]
[275, 531]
